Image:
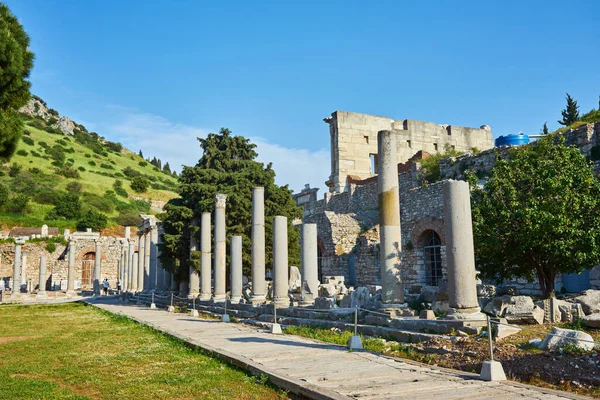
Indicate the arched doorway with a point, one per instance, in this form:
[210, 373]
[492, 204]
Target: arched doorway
[87, 270]
[432, 252]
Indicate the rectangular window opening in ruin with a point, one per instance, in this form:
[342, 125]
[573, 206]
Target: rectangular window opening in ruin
[366, 139]
[374, 162]
[435, 146]
[408, 144]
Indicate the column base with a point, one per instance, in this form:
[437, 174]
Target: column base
[473, 313]
[205, 297]
[257, 300]
[218, 298]
[235, 300]
[282, 302]
[70, 293]
[41, 295]
[193, 295]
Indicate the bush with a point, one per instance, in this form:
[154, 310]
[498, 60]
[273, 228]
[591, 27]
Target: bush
[131, 173]
[106, 166]
[57, 153]
[14, 170]
[3, 195]
[35, 171]
[67, 205]
[50, 247]
[18, 204]
[24, 183]
[100, 203]
[142, 163]
[44, 145]
[88, 155]
[116, 147]
[129, 219]
[92, 163]
[53, 112]
[81, 168]
[69, 172]
[139, 184]
[26, 132]
[47, 196]
[22, 152]
[35, 153]
[28, 140]
[61, 142]
[93, 220]
[74, 187]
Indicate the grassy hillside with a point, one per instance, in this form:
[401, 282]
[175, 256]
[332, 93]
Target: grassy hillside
[49, 164]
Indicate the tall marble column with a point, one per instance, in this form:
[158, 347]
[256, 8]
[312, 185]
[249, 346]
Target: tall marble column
[309, 262]
[147, 248]
[125, 278]
[135, 261]
[16, 285]
[71, 271]
[194, 289]
[280, 262]
[460, 252]
[235, 270]
[132, 283]
[220, 247]
[258, 245]
[97, 270]
[153, 238]
[41, 293]
[140, 263]
[392, 289]
[205, 257]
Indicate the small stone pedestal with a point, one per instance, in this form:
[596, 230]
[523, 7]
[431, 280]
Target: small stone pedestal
[492, 371]
[225, 318]
[152, 306]
[194, 313]
[276, 329]
[170, 309]
[355, 343]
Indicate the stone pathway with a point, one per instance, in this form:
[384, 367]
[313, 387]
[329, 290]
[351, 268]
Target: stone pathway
[321, 371]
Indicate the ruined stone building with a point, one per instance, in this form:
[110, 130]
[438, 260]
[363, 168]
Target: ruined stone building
[347, 216]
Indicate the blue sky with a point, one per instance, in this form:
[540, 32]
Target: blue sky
[157, 74]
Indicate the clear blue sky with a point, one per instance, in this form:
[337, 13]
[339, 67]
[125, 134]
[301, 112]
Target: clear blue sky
[136, 71]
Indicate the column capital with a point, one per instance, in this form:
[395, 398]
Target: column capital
[220, 200]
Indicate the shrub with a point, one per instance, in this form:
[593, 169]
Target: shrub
[81, 168]
[53, 112]
[35, 171]
[142, 163]
[93, 220]
[22, 152]
[116, 147]
[26, 133]
[50, 247]
[92, 163]
[57, 153]
[74, 187]
[139, 184]
[14, 170]
[24, 184]
[106, 166]
[67, 205]
[35, 153]
[100, 203]
[129, 219]
[18, 204]
[47, 196]
[44, 145]
[69, 172]
[27, 140]
[88, 155]
[61, 142]
[131, 173]
[3, 195]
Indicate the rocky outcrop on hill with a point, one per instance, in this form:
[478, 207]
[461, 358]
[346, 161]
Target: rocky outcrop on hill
[65, 125]
[37, 108]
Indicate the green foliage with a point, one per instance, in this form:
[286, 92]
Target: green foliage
[116, 147]
[67, 205]
[3, 195]
[16, 62]
[28, 141]
[92, 163]
[93, 220]
[106, 166]
[118, 188]
[57, 153]
[22, 152]
[545, 129]
[53, 112]
[18, 204]
[129, 219]
[69, 172]
[14, 170]
[140, 184]
[50, 247]
[74, 187]
[142, 163]
[430, 166]
[571, 113]
[46, 196]
[538, 215]
[228, 165]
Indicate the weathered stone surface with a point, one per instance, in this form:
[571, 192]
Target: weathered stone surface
[576, 338]
[324, 303]
[486, 290]
[426, 314]
[595, 277]
[592, 320]
[360, 297]
[428, 293]
[590, 301]
[536, 342]
[328, 290]
[503, 331]
[516, 309]
[295, 281]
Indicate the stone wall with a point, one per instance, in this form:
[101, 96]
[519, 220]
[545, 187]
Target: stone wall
[354, 142]
[57, 262]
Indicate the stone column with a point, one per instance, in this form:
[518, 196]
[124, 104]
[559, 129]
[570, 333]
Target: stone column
[71, 271]
[135, 261]
[147, 248]
[16, 285]
[280, 262]
[23, 269]
[125, 278]
[132, 283]
[153, 238]
[258, 245]
[220, 249]
[235, 269]
[205, 257]
[97, 270]
[194, 278]
[460, 253]
[140, 263]
[309, 262]
[127, 234]
[392, 289]
[41, 294]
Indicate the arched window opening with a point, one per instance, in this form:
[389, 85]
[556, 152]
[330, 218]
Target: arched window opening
[433, 258]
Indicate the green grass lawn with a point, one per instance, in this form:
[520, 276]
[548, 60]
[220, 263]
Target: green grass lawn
[76, 352]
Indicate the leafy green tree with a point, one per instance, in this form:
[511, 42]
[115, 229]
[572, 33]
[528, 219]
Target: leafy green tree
[228, 165]
[92, 219]
[140, 184]
[570, 114]
[3, 195]
[167, 168]
[538, 215]
[16, 62]
[67, 206]
[545, 129]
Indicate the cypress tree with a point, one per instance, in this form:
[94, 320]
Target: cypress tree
[570, 114]
[545, 129]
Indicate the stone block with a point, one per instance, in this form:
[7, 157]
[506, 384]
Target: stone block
[592, 320]
[427, 314]
[590, 301]
[324, 303]
[559, 337]
[295, 280]
[328, 290]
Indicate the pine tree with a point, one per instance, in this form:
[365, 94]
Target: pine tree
[545, 129]
[159, 164]
[16, 62]
[570, 114]
[167, 168]
[228, 166]
[141, 154]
